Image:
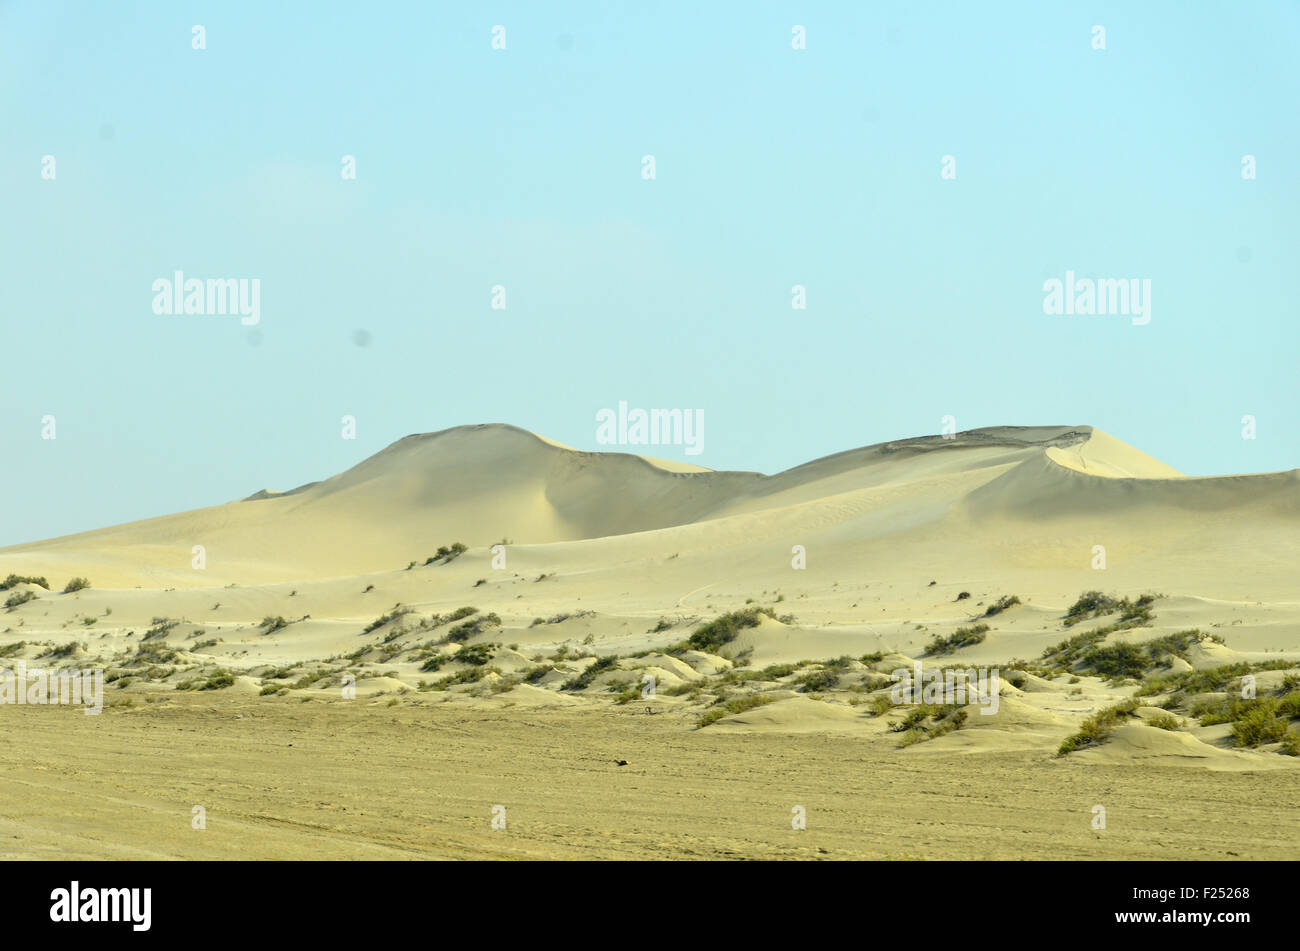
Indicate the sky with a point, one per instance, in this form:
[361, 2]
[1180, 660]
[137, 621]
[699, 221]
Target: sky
[523, 168]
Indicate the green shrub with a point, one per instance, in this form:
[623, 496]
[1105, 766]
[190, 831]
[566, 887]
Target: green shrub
[76, 584]
[1095, 604]
[272, 624]
[732, 707]
[1097, 727]
[19, 598]
[1117, 660]
[1002, 603]
[13, 580]
[819, 680]
[468, 629]
[374, 625]
[724, 629]
[962, 637]
[928, 721]
[1259, 724]
[584, 679]
[475, 655]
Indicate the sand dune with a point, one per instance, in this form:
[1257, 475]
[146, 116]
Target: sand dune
[998, 498]
[862, 561]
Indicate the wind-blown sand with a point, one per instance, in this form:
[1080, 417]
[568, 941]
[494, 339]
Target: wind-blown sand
[620, 556]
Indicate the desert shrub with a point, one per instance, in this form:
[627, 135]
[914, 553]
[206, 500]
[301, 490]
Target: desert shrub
[19, 598]
[1289, 705]
[584, 679]
[475, 655]
[1133, 660]
[880, 704]
[69, 649]
[1097, 727]
[464, 631]
[1095, 604]
[1163, 721]
[724, 629]
[962, 637]
[468, 676]
[927, 721]
[1089, 604]
[272, 624]
[153, 654]
[1255, 721]
[819, 680]
[217, 680]
[76, 584]
[732, 707]
[13, 580]
[447, 553]
[374, 625]
[962, 596]
[161, 627]
[9, 650]
[1002, 603]
[1117, 660]
[1291, 744]
[307, 680]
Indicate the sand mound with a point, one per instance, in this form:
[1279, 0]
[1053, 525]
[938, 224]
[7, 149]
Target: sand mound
[799, 714]
[1136, 741]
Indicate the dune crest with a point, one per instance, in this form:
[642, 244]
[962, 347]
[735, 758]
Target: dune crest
[486, 483]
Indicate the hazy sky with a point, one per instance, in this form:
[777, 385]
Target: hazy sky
[523, 167]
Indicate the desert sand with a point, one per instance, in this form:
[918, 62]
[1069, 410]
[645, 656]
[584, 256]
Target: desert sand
[309, 686]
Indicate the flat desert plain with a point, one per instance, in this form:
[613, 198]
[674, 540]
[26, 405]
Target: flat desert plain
[479, 643]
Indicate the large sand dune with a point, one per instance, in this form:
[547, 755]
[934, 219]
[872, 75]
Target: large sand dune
[1023, 498]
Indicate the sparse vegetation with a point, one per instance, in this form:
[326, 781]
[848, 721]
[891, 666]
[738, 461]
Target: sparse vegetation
[928, 721]
[962, 637]
[818, 680]
[1095, 604]
[270, 624]
[732, 707]
[76, 584]
[1097, 727]
[378, 622]
[476, 655]
[13, 580]
[593, 670]
[446, 554]
[1002, 604]
[1163, 721]
[722, 630]
[217, 680]
[468, 629]
[19, 598]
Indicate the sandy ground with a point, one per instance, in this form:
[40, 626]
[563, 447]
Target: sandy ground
[345, 780]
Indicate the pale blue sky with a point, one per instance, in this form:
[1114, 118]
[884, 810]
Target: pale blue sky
[522, 167]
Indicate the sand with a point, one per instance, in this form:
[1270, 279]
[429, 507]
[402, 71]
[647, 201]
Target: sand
[614, 555]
